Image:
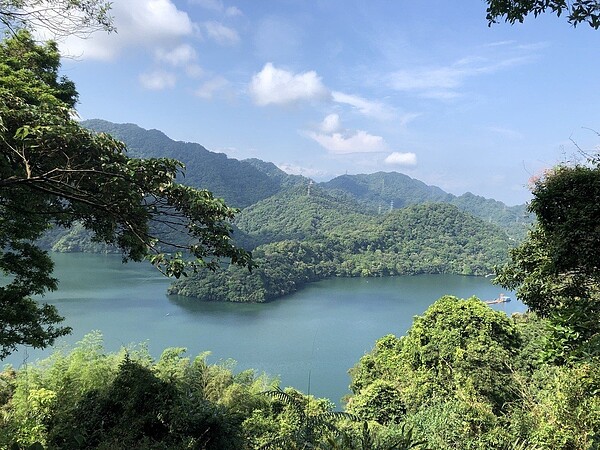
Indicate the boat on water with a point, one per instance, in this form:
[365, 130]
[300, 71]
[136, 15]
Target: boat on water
[501, 299]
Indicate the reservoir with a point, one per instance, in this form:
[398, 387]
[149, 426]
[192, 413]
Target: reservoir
[308, 339]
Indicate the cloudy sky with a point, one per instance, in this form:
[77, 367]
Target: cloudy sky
[327, 87]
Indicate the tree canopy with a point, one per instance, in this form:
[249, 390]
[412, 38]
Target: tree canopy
[578, 11]
[55, 172]
[556, 270]
[59, 17]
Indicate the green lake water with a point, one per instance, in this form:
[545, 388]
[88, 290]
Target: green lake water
[316, 334]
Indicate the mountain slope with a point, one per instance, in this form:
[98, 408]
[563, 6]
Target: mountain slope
[426, 238]
[382, 190]
[298, 214]
[239, 183]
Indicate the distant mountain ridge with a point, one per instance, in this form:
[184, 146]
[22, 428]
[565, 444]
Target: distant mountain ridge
[242, 183]
[381, 191]
[387, 187]
[239, 183]
[380, 224]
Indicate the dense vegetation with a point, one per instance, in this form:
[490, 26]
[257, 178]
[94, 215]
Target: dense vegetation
[56, 173]
[310, 238]
[90, 399]
[380, 191]
[239, 183]
[467, 377]
[463, 377]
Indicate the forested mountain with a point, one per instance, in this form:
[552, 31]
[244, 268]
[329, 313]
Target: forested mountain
[299, 213]
[382, 190]
[239, 183]
[246, 182]
[274, 172]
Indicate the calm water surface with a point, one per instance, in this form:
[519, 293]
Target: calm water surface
[316, 334]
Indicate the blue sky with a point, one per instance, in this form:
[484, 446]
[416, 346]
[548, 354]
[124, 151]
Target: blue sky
[323, 88]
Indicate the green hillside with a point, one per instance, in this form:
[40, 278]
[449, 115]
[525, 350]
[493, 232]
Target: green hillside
[382, 190]
[297, 214]
[239, 183]
[428, 238]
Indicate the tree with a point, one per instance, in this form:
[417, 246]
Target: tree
[456, 349]
[556, 270]
[55, 172]
[577, 11]
[310, 422]
[59, 17]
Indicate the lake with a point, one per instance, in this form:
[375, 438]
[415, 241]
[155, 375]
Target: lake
[310, 338]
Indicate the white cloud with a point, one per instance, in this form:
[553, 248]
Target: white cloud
[338, 140]
[344, 143]
[277, 86]
[401, 159]
[375, 109]
[309, 172]
[140, 24]
[181, 55]
[158, 80]
[369, 108]
[331, 124]
[221, 34]
[208, 89]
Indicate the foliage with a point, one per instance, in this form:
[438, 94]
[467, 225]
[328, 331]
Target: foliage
[323, 240]
[466, 377]
[309, 421]
[55, 172]
[577, 11]
[379, 401]
[91, 399]
[564, 202]
[457, 348]
[555, 271]
[88, 398]
[59, 17]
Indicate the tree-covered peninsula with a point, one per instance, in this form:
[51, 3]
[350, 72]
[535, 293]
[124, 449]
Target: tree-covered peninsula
[306, 237]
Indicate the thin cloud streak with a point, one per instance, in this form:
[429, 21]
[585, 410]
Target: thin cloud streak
[443, 82]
